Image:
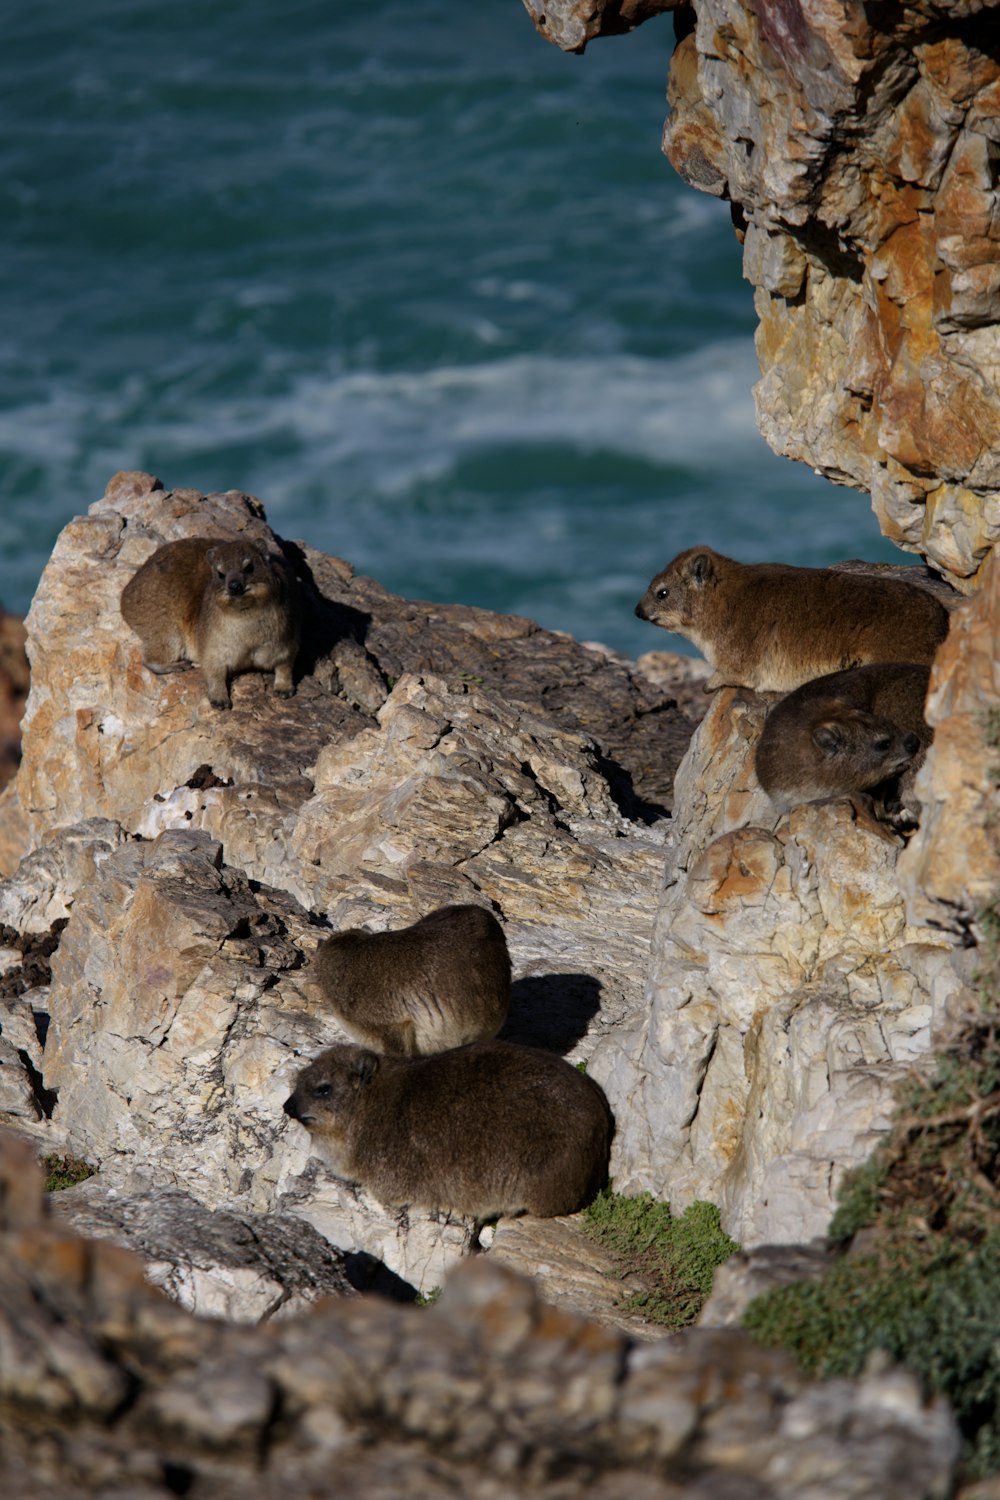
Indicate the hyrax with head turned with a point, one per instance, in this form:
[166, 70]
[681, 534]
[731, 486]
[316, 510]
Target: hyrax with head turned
[846, 732]
[222, 606]
[771, 627]
[480, 1131]
[440, 983]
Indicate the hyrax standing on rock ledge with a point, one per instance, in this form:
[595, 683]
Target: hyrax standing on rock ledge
[483, 1130]
[848, 732]
[771, 627]
[223, 606]
[440, 983]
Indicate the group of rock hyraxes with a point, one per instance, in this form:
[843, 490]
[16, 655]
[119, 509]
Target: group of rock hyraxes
[428, 1109]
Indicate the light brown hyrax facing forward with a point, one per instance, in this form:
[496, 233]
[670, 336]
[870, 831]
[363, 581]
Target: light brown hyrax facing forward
[482, 1130]
[222, 606]
[441, 983]
[847, 732]
[770, 627]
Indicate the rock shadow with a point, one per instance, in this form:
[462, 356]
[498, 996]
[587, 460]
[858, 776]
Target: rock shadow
[627, 799]
[324, 621]
[551, 1010]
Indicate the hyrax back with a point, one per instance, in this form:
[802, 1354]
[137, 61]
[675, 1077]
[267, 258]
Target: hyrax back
[771, 627]
[845, 732]
[483, 1130]
[223, 606]
[440, 983]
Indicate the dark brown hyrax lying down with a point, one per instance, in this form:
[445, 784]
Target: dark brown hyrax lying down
[847, 732]
[222, 606]
[441, 983]
[771, 627]
[483, 1130]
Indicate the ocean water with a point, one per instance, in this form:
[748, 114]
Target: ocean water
[419, 281]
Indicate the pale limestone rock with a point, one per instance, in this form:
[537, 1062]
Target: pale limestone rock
[213, 850]
[951, 869]
[246, 1268]
[571, 24]
[787, 994]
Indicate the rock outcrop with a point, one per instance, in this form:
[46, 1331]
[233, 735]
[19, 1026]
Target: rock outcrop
[858, 145]
[430, 754]
[788, 993]
[107, 1387]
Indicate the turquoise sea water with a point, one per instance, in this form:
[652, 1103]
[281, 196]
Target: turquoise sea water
[403, 270]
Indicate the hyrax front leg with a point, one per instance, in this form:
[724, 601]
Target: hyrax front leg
[216, 683]
[284, 686]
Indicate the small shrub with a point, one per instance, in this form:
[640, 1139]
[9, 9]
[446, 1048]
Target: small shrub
[674, 1258]
[926, 1287]
[64, 1171]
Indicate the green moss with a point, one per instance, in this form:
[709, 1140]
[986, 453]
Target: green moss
[674, 1259]
[64, 1171]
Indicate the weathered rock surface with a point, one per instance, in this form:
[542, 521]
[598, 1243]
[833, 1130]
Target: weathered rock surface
[429, 755]
[858, 145]
[951, 869]
[788, 992]
[242, 1267]
[571, 24]
[106, 1387]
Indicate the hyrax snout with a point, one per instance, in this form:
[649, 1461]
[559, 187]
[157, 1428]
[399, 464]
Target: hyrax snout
[771, 627]
[222, 606]
[480, 1131]
[442, 982]
[845, 732]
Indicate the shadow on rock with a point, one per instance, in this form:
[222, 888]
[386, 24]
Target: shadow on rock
[325, 622]
[551, 1010]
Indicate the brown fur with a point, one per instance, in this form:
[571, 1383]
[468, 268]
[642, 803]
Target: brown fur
[483, 1130]
[847, 732]
[223, 606]
[439, 983]
[771, 627]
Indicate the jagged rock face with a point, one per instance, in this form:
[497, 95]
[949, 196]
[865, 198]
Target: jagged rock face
[430, 754]
[950, 872]
[859, 144]
[571, 24]
[788, 994]
[108, 1388]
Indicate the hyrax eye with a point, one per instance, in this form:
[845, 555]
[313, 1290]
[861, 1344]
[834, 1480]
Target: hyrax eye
[662, 593]
[883, 742]
[322, 1091]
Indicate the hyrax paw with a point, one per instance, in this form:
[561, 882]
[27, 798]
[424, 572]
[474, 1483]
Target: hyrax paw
[222, 703]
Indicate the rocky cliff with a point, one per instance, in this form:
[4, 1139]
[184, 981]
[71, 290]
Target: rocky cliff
[858, 145]
[746, 988]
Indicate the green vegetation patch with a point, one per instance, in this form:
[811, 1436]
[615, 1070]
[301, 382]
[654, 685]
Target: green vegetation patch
[64, 1171]
[923, 1282]
[672, 1258]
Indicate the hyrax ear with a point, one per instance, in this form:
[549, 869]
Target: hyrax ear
[828, 737]
[699, 568]
[363, 1069]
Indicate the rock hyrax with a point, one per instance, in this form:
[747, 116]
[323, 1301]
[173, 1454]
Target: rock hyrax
[771, 627]
[441, 983]
[223, 606]
[482, 1130]
[851, 731]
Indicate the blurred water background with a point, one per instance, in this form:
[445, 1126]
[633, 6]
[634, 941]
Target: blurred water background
[419, 281]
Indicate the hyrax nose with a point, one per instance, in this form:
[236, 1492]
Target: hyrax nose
[235, 587]
[291, 1108]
